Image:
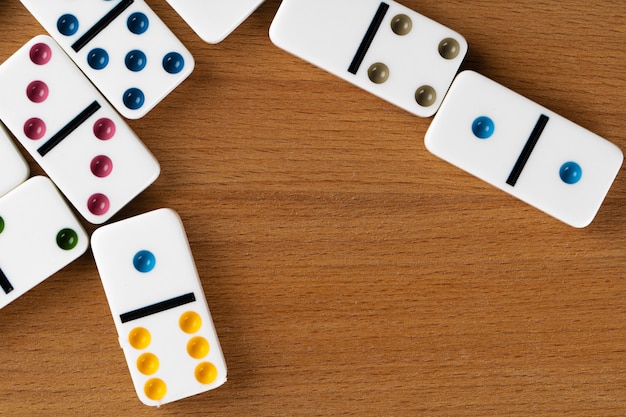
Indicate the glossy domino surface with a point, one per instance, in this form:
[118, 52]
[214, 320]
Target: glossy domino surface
[214, 20]
[39, 235]
[122, 46]
[384, 48]
[524, 149]
[13, 168]
[84, 146]
[158, 306]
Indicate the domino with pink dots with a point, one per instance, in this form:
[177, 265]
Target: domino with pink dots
[122, 46]
[72, 132]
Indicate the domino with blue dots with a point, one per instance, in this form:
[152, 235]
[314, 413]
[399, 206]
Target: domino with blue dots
[382, 47]
[214, 20]
[72, 132]
[122, 46]
[13, 168]
[39, 235]
[524, 149]
[158, 306]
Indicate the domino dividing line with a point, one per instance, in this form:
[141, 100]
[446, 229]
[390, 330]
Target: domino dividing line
[6, 285]
[528, 150]
[68, 128]
[368, 38]
[101, 25]
[158, 307]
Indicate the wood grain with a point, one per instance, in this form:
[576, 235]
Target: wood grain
[348, 271]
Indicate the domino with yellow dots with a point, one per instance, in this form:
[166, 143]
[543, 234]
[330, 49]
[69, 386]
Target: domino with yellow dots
[159, 308]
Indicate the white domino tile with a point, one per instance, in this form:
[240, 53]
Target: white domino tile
[39, 235]
[158, 306]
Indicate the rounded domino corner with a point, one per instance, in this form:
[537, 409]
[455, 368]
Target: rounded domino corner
[429, 142]
[211, 22]
[143, 397]
[222, 380]
[214, 39]
[617, 163]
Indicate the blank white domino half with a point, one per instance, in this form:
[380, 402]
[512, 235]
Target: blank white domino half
[382, 47]
[122, 46]
[524, 149]
[79, 140]
[13, 168]
[158, 306]
[214, 20]
[39, 235]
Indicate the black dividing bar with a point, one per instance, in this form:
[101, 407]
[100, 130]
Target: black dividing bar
[528, 150]
[5, 283]
[68, 128]
[158, 307]
[101, 24]
[368, 38]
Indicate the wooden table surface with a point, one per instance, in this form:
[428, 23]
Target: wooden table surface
[348, 270]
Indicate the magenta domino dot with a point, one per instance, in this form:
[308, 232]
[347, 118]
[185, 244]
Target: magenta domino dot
[37, 91]
[34, 128]
[40, 53]
[98, 204]
[104, 129]
[101, 166]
